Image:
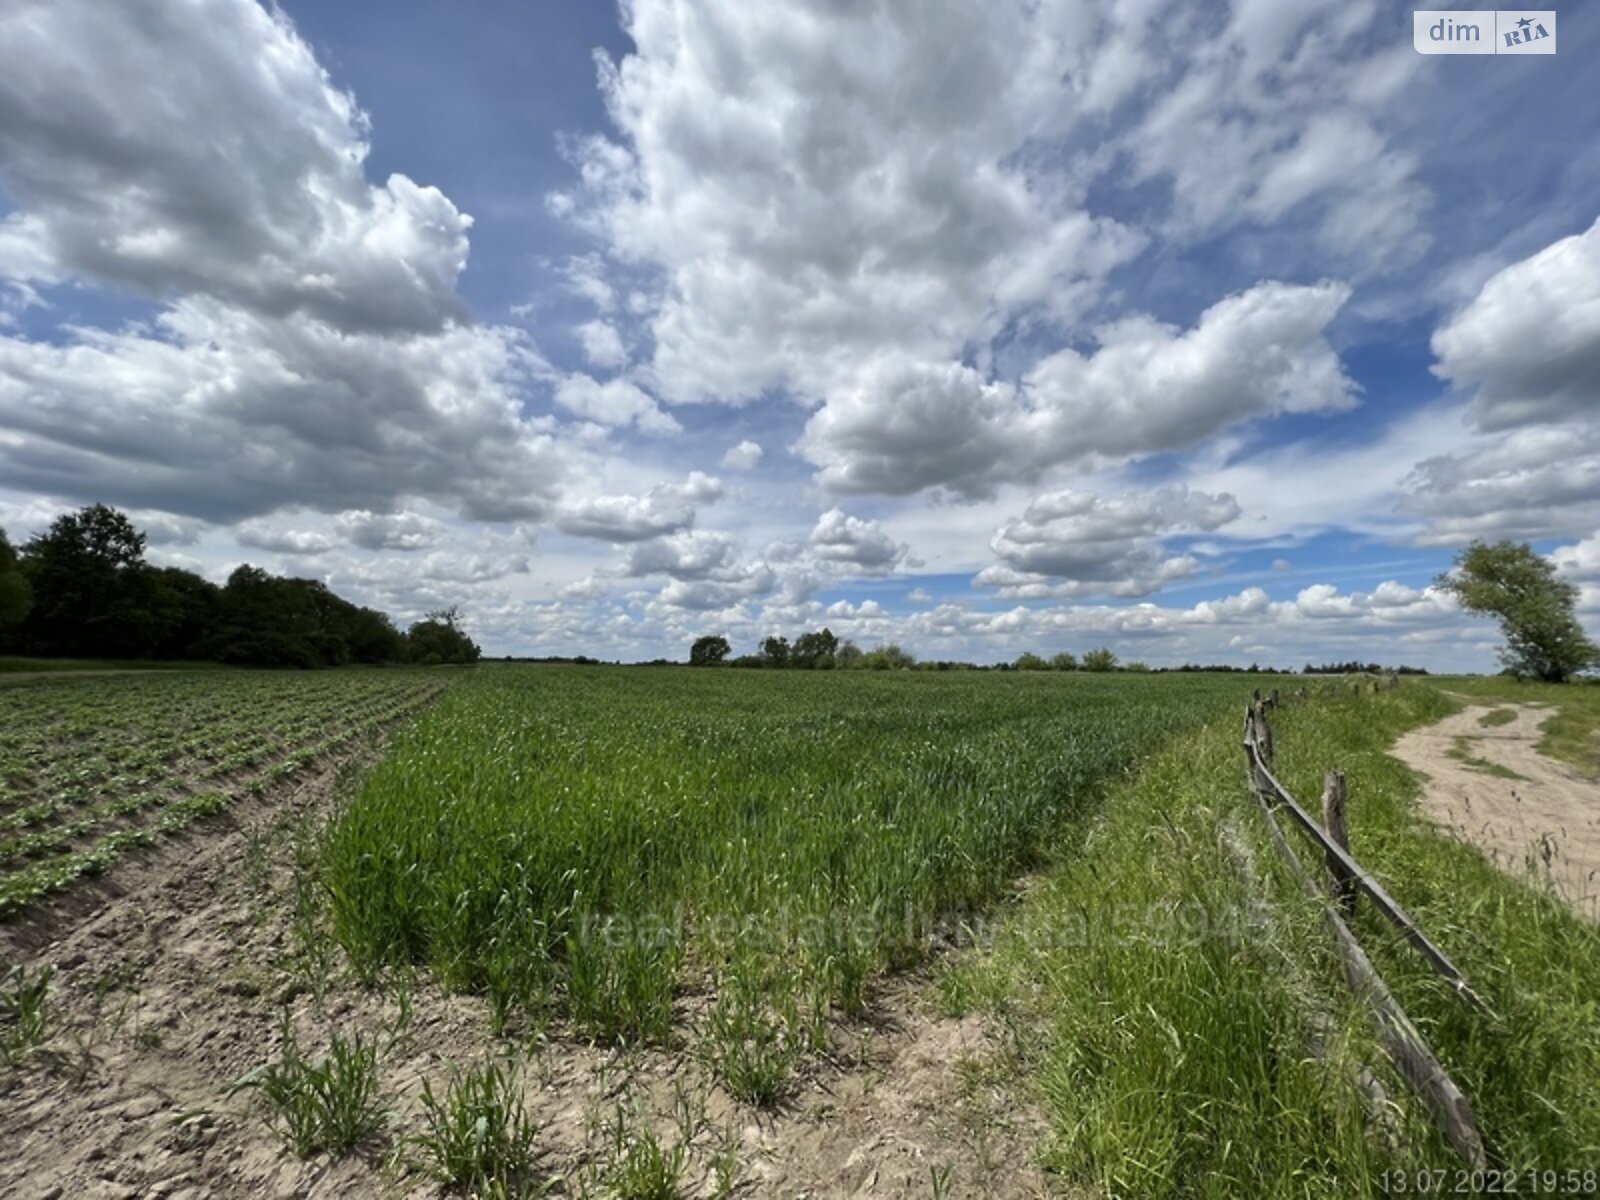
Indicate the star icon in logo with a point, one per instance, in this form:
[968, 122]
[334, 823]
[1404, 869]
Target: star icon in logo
[1524, 23]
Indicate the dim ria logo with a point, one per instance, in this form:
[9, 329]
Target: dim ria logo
[1456, 31]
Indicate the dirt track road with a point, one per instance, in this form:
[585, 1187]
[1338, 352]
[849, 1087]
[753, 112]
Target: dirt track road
[1490, 786]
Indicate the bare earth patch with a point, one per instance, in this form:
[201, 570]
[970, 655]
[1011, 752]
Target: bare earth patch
[179, 982]
[1488, 784]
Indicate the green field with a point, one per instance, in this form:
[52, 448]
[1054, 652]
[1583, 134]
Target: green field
[591, 841]
[724, 868]
[92, 766]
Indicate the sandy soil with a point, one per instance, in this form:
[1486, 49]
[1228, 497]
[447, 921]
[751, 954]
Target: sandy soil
[178, 982]
[1489, 785]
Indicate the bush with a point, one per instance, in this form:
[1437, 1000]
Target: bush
[1100, 660]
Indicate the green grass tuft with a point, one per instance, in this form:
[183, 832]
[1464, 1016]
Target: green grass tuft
[331, 1104]
[25, 1012]
[479, 1138]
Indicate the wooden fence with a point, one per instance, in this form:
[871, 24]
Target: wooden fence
[1337, 889]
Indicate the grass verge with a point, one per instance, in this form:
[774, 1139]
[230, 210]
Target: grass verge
[1184, 1026]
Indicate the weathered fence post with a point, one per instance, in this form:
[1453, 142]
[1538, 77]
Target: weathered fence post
[1341, 884]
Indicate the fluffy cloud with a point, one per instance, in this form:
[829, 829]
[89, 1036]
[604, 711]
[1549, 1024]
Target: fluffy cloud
[1580, 564]
[1579, 561]
[262, 535]
[616, 402]
[239, 177]
[695, 555]
[828, 184]
[1532, 483]
[838, 538]
[602, 344]
[313, 352]
[1148, 388]
[1151, 387]
[585, 277]
[804, 238]
[223, 414]
[1278, 112]
[1094, 546]
[389, 531]
[1528, 344]
[667, 509]
[819, 188]
[1527, 348]
[746, 456]
[703, 570]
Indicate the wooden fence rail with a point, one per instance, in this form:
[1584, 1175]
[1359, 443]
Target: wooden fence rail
[1398, 1035]
[1258, 746]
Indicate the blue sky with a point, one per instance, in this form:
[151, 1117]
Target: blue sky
[1204, 332]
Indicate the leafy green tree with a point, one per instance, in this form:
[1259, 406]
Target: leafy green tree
[16, 595]
[815, 651]
[89, 596]
[708, 651]
[1508, 581]
[93, 595]
[889, 657]
[266, 622]
[1029, 661]
[269, 621]
[438, 638]
[1100, 660]
[184, 609]
[849, 656]
[1065, 661]
[372, 637]
[775, 652]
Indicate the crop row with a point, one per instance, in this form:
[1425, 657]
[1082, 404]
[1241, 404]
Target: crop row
[278, 727]
[212, 752]
[150, 728]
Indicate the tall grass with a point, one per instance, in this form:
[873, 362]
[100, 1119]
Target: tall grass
[1187, 1030]
[1532, 1071]
[593, 839]
[26, 1014]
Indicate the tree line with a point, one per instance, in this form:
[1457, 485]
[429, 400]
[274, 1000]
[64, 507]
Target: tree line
[82, 589]
[1357, 667]
[815, 650]
[821, 650]
[1536, 609]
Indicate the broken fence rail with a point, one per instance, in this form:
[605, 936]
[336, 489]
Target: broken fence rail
[1401, 1040]
[1265, 782]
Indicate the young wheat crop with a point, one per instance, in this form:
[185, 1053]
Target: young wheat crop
[593, 840]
